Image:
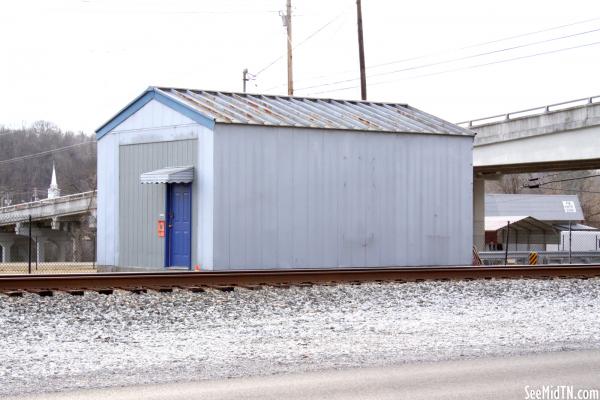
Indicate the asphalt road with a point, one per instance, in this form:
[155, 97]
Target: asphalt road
[489, 378]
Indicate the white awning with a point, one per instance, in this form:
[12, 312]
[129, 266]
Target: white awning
[523, 230]
[169, 175]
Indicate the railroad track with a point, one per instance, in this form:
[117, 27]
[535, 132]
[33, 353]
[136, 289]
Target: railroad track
[106, 283]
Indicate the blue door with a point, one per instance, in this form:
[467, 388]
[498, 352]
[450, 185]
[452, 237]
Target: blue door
[179, 229]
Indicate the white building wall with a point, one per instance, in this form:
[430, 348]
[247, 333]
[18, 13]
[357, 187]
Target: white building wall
[288, 197]
[107, 237]
[153, 123]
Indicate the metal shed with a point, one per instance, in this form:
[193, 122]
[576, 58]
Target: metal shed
[524, 230]
[280, 182]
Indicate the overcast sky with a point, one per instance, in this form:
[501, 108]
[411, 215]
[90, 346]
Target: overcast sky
[77, 62]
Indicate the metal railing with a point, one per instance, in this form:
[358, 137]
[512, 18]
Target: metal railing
[42, 202]
[529, 112]
[545, 257]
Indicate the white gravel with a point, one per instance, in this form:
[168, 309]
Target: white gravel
[65, 342]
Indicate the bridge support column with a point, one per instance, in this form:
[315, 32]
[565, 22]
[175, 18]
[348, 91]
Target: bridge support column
[479, 213]
[62, 249]
[40, 247]
[6, 245]
[75, 252]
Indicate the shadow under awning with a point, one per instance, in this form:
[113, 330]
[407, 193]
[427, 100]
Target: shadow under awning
[169, 175]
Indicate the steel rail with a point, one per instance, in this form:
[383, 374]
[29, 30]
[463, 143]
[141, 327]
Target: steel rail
[299, 276]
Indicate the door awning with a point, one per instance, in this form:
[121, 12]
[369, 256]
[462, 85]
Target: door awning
[169, 175]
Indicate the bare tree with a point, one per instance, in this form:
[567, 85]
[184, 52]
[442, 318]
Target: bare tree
[510, 184]
[21, 177]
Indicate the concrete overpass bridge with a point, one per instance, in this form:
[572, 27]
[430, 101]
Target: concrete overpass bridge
[555, 137]
[58, 222]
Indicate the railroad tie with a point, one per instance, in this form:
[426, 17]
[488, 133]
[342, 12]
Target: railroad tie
[74, 292]
[12, 293]
[42, 292]
[161, 289]
[280, 285]
[250, 287]
[304, 284]
[134, 290]
[222, 288]
[194, 289]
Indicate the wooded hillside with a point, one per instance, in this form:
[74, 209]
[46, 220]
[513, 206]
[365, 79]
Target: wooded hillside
[23, 170]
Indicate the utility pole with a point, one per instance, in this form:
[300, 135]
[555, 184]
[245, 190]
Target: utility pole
[361, 52]
[245, 78]
[287, 22]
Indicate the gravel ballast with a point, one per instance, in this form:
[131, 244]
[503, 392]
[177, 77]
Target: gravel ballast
[65, 342]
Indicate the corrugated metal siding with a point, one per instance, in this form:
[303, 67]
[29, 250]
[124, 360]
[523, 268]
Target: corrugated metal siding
[270, 110]
[141, 205]
[289, 197]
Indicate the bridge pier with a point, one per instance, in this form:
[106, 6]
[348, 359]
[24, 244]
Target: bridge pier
[41, 236]
[62, 250]
[7, 239]
[6, 245]
[479, 213]
[40, 247]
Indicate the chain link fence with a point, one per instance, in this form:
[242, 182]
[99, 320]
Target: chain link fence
[572, 246]
[49, 236]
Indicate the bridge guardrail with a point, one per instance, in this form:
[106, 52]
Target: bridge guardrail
[529, 112]
[61, 199]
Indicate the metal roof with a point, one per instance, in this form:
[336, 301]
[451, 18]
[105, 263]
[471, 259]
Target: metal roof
[531, 229]
[544, 207]
[169, 175]
[290, 111]
[517, 223]
[575, 227]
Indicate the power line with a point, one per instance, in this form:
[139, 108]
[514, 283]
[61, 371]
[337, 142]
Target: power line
[428, 55]
[466, 68]
[490, 42]
[454, 59]
[300, 43]
[43, 153]
[570, 179]
[240, 12]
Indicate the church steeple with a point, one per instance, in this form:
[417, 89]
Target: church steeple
[53, 190]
